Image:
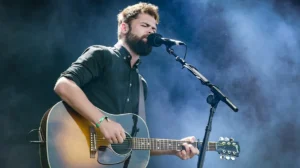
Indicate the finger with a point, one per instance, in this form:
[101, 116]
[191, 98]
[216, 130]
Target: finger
[115, 140]
[122, 131]
[123, 134]
[110, 141]
[120, 138]
[187, 148]
[193, 139]
[184, 155]
[180, 154]
[193, 150]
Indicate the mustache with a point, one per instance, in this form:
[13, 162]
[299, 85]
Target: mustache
[145, 36]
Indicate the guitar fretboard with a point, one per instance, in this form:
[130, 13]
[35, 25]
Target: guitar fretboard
[164, 144]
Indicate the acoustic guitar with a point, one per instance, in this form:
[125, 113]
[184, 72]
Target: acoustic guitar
[71, 141]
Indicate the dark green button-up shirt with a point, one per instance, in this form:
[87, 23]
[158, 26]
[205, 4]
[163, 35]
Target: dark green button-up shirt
[106, 77]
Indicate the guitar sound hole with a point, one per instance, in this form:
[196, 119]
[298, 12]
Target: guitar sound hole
[123, 148]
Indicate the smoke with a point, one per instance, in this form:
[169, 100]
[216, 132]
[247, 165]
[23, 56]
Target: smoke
[250, 49]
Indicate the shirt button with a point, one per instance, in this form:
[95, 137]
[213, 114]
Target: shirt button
[124, 57]
[130, 85]
[127, 99]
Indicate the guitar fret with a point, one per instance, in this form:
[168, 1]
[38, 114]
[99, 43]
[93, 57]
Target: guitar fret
[173, 146]
[148, 144]
[164, 144]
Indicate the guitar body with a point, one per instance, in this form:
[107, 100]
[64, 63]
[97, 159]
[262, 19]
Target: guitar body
[69, 142]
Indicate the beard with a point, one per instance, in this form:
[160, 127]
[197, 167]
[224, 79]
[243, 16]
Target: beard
[137, 44]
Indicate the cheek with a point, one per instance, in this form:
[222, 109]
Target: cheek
[140, 31]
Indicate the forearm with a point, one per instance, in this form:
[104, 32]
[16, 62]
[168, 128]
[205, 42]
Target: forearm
[162, 152]
[73, 95]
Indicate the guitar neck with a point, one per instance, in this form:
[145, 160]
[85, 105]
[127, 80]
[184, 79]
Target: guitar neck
[165, 144]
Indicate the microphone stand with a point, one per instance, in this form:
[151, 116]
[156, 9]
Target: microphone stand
[212, 99]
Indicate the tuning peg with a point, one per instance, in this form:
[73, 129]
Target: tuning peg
[221, 139]
[222, 157]
[231, 139]
[227, 157]
[232, 158]
[226, 139]
[229, 152]
[233, 152]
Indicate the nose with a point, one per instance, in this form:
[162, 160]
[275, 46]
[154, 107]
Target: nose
[151, 31]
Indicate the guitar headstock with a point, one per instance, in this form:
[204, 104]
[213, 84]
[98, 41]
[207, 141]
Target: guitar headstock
[228, 148]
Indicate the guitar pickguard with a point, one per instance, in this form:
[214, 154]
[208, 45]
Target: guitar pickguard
[107, 156]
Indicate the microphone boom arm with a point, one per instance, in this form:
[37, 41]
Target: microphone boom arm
[203, 80]
[212, 99]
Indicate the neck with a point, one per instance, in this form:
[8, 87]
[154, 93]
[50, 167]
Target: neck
[134, 56]
[165, 144]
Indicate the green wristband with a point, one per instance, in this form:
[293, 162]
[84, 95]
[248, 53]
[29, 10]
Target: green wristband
[101, 120]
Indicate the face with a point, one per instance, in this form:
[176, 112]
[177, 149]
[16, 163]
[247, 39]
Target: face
[139, 29]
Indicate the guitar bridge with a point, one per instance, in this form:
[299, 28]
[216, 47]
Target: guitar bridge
[93, 142]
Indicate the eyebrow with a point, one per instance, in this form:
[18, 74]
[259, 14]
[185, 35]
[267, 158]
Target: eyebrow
[148, 25]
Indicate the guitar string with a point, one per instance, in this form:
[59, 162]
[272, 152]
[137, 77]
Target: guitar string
[139, 147]
[155, 140]
[104, 140]
[160, 142]
[152, 147]
[180, 142]
[157, 145]
[141, 138]
[146, 148]
[156, 149]
[152, 139]
[162, 145]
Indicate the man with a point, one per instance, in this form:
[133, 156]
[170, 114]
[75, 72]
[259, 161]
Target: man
[107, 77]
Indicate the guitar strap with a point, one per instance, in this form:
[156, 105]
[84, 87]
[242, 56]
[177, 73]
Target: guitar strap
[142, 111]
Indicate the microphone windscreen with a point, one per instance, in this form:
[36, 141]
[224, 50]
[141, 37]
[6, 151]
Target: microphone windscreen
[154, 39]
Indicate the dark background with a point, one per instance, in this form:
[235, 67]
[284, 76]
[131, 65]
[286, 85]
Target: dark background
[249, 48]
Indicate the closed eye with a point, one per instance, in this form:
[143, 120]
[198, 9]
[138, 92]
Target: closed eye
[147, 25]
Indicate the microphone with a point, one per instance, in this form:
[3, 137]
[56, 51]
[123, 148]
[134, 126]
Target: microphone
[157, 40]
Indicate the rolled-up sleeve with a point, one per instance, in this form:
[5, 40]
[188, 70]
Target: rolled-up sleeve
[88, 66]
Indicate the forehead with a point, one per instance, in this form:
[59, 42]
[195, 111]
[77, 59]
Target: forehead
[146, 18]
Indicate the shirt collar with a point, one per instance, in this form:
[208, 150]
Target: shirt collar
[126, 55]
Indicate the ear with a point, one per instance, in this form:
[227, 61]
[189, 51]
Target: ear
[124, 28]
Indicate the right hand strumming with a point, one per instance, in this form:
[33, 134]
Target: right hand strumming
[112, 131]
